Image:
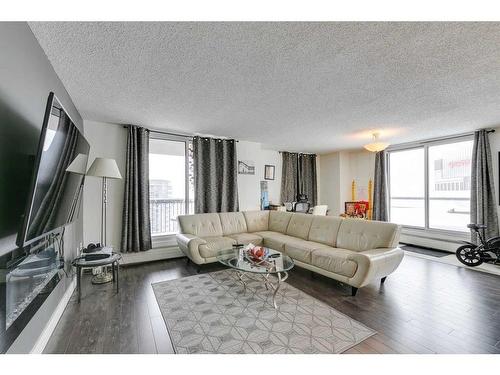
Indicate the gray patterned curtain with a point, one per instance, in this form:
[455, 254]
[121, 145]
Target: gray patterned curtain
[289, 176]
[215, 175]
[307, 177]
[483, 207]
[380, 201]
[136, 231]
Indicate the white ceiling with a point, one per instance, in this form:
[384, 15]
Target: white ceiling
[314, 87]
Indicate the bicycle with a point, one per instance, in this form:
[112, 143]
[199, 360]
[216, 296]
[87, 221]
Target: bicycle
[488, 251]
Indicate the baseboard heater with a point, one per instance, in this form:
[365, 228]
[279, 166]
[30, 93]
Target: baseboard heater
[433, 238]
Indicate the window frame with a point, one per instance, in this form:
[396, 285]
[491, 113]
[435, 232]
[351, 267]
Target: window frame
[425, 145]
[168, 240]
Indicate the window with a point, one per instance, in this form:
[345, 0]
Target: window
[407, 187]
[429, 186]
[450, 164]
[171, 189]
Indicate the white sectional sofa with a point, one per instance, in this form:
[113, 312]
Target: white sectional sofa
[355, 252]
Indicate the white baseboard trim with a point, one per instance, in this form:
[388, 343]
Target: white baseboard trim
[151, 255]
[44, 338]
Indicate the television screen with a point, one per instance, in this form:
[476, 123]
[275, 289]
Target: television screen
[55, 190]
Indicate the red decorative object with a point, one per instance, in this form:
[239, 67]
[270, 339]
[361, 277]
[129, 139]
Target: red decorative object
[357, 209]
[257, 253]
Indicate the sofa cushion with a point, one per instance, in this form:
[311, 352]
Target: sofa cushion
[275, 240]
[278, 221]
[201, 225]
[334, 260]
[324, 229]
[299, 225]
[215, 244]
[257, 220]
[246, 238]
[301, 249]
[361, 235]
[232, 222]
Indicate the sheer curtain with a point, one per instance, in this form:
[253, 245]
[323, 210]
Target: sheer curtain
[215, 175]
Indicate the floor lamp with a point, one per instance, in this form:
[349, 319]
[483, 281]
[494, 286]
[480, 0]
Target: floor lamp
[106, 169]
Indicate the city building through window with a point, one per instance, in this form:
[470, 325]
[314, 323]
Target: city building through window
[171, 189]
[429, 185]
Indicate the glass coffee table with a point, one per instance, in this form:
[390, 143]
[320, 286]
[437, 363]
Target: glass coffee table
[275, 263]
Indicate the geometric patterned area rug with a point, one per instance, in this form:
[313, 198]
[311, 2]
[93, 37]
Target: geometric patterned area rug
[212, 313]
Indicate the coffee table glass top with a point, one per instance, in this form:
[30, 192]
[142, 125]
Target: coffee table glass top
[275, 262]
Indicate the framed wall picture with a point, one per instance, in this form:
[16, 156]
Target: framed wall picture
[246, 167]
[269, 172]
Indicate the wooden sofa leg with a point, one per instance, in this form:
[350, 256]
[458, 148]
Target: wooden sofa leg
[188, 261]
[354, 291]
[382, 280]
[198, 268]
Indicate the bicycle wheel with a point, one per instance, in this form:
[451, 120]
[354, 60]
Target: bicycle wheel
[468, 255]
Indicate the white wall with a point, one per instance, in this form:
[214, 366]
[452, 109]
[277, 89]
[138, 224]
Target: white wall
[249, 185]
[108, 141]
[360, 168]
[329, 182]
[336, 172]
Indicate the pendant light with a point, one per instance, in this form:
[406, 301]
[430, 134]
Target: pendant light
[376, 146]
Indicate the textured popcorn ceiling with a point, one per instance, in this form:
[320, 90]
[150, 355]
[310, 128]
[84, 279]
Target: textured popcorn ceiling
[298, 86]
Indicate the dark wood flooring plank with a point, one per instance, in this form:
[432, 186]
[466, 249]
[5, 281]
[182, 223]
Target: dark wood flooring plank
[162, 338]
[424, 307]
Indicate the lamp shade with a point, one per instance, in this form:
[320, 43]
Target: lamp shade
[104, 167]
[376, 146]
[79, 164]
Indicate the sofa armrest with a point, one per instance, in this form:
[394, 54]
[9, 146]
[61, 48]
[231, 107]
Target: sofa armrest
[189, 243]
[375, 264]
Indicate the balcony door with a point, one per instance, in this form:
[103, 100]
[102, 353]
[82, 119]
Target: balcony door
[171, 190]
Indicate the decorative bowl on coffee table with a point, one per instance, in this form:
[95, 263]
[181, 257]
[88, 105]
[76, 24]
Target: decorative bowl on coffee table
[274, 263]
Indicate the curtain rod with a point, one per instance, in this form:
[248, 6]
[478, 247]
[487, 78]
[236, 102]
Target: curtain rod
[299, 153]
[175, 134]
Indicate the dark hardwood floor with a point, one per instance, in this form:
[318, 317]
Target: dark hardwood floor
[424, 307]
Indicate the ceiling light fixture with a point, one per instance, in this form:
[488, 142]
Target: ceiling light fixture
[376, 146]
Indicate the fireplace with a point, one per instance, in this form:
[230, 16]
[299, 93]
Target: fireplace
[28, 276]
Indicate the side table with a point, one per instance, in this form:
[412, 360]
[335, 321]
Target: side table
[81, 263]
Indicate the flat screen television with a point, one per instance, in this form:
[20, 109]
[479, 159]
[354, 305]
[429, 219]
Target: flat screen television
[55, 191]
